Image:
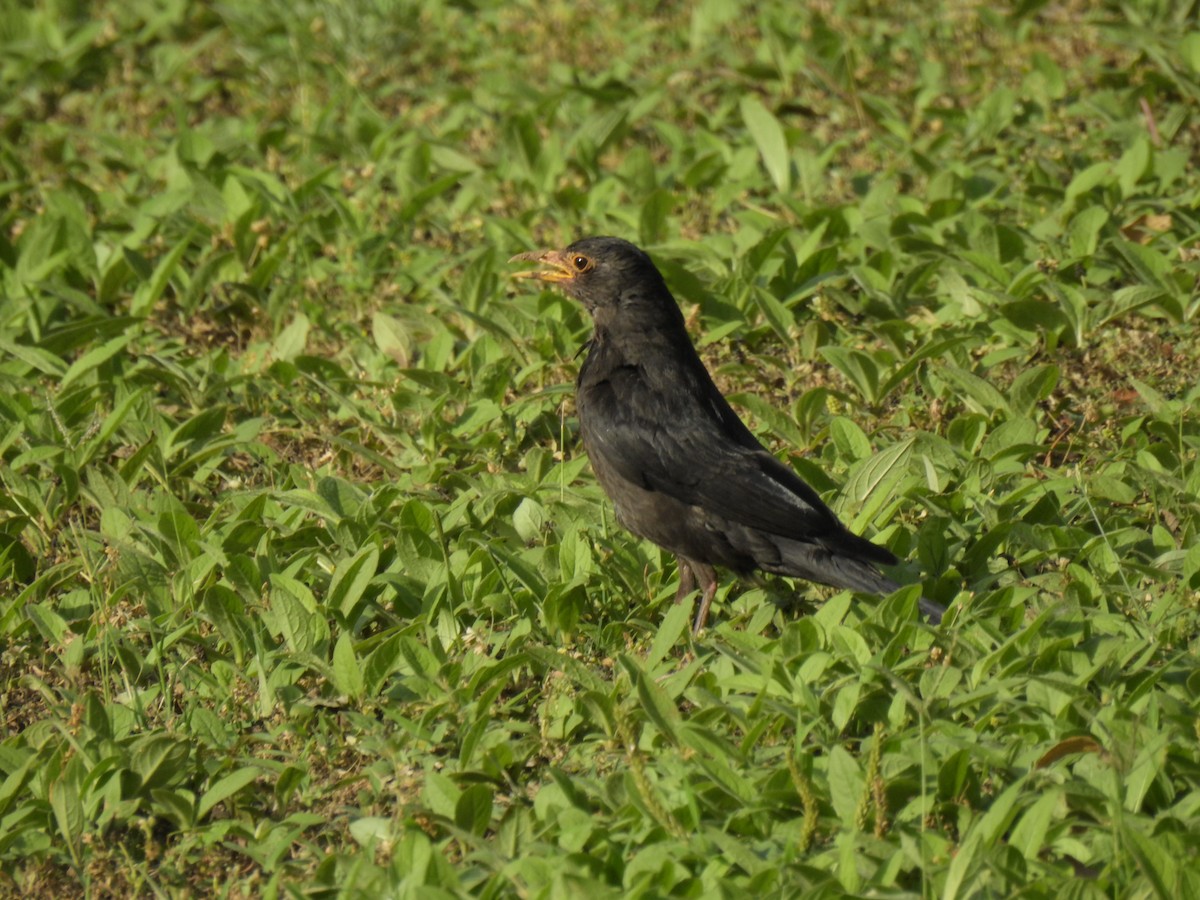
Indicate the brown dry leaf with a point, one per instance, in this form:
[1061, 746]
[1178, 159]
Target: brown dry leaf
[1082, 744]
[1144, 228]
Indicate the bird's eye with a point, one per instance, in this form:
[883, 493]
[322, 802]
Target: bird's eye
[582, 263]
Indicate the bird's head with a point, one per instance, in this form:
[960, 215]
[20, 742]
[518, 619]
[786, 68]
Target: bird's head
[612, 278]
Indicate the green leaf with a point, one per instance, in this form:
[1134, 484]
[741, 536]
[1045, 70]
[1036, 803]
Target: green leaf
[655, 702]
[157, 759]
[859, 368]
[845, 786]
[778, 316]
[292, 340]
[1156, 864]
[94, 358]
[67, 806]
[1133, 165]
[1148, 264]
[670, 629]
[1029, 833]
[654, 217]
[441, 795]
[351, 577]
[392, 337]
[574, 556]
[1149, 764]
[981, 394]
[1189, 51]
[1083, 234]
[845, 701]
[226, 787]
[982, 835]
[850, 440]
[301, 627]
[768, 136]
[529, 519]
[35, 357]
[151, 291]
[879, 474]
[52, 627]
[904, 371]
[370, 831]
[1108, 485]
[347, 673]
[1091, 177]
[473, 811]
[1031, 388]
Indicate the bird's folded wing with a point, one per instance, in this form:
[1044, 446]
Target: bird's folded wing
[692, 457]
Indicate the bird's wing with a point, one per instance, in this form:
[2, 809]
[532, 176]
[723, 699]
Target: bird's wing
[686, 446]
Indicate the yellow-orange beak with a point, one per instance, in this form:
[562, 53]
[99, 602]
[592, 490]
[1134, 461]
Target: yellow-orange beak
[557, 265]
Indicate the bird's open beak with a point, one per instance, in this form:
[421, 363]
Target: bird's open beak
[556, 262]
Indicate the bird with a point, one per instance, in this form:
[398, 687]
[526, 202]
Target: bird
[680, 467]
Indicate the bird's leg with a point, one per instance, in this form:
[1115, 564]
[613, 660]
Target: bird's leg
[708, 584]
[687, 580]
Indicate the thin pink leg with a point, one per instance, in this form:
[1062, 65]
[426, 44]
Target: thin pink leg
[708, 583]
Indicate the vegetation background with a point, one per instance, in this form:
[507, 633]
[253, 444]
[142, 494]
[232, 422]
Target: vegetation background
[306, 588]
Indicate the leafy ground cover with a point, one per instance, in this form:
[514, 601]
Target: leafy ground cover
[305, 585]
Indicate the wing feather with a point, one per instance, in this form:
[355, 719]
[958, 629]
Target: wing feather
[691, 446]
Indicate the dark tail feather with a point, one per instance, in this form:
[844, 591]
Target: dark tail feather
[884, 585]
[932, 611]
[808, 562]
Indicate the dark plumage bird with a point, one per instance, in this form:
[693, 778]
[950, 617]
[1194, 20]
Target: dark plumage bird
[680, 467]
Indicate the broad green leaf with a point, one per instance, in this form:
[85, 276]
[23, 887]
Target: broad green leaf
[392, 337]
[977, 391]
[1084, 231]
[94, 358]
[878, 475]
[67, 807]
[529, 519]
[859, 367]
[655, 703]
[1133, 165]
[226, 787]
[982, 837]
[1029, 832]
[441, 795]
[670, 629]
[845, 701]
[1087, 179]
[910, 365]
[1150, 762]
[35, 357]
[1149, 265]
[150, 292]
[370, 831]
[473, 811]
[292, 340]
[347, 671]
[351, 577]
[1189, 50]
[157, 759]
[1031, 387]
[851, 441]
[777, 315]
[768, 136]
[845, 785]
[1157, 865]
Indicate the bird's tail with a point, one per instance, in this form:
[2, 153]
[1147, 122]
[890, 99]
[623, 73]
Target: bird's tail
[863, 577]
[849, 573]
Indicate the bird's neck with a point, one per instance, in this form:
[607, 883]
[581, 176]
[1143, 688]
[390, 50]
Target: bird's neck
[648, 342]
[665, 357]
